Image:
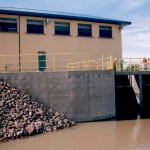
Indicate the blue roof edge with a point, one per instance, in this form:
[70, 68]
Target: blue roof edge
[63, 16]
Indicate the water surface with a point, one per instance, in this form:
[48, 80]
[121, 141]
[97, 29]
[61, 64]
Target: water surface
[109, 135]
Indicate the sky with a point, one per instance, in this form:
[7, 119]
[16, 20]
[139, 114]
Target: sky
[135, 37]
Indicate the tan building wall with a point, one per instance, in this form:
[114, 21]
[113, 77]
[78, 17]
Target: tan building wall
[50, 43]
[9, 41]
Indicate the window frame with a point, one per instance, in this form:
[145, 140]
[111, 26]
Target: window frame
[105, 33]
[84, 34]
[59, 28]
[8, 24]
[35, 26]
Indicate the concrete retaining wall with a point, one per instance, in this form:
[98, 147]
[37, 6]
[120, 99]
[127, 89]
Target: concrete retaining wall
[81, 96]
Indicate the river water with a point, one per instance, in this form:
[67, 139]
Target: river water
[109, 135]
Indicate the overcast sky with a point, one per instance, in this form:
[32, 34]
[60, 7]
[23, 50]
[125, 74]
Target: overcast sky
[136, 37]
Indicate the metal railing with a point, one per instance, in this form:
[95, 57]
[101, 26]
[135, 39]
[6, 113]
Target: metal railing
[97, 64]
[71, 62]
[54, 62]
[133, 64]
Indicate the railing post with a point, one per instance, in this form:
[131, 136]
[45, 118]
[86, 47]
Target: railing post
[130, 65]
[4, 63]
[54, 62]
[67, 67]
[108, 63]
[111, 62]
[21, 62]
[97, 65]
[38, 62]
[102, 62]
[86, 65]
[119, 65]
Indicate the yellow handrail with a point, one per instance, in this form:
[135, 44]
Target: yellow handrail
[54, 62]
[105, 63]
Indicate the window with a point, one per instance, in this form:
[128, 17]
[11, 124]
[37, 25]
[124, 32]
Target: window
[8, 24]
[105, 31]
[35, 26]
[84, 30]
[62, 28]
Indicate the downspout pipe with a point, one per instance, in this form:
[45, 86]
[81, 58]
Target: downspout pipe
[19, 47]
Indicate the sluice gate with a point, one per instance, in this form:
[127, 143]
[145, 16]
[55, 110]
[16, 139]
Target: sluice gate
[132, 95]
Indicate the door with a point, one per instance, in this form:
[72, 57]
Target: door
[42, 60]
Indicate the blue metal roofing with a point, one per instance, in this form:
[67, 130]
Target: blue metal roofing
[58, 15]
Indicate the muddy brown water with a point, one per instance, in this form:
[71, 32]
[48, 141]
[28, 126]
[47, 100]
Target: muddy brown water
[109, 135]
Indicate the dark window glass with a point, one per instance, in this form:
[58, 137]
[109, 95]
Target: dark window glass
[105, 31]
[84, 30]
[35, 26]
[62, 28]
[8, 24]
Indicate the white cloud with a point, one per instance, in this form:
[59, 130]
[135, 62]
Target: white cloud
[134, 3]
[8, 4]
[136, 39]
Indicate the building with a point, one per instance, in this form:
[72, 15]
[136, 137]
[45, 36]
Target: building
[34, 32]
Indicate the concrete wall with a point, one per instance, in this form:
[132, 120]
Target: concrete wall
[81, 96]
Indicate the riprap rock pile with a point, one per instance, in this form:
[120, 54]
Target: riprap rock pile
[21, 115]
